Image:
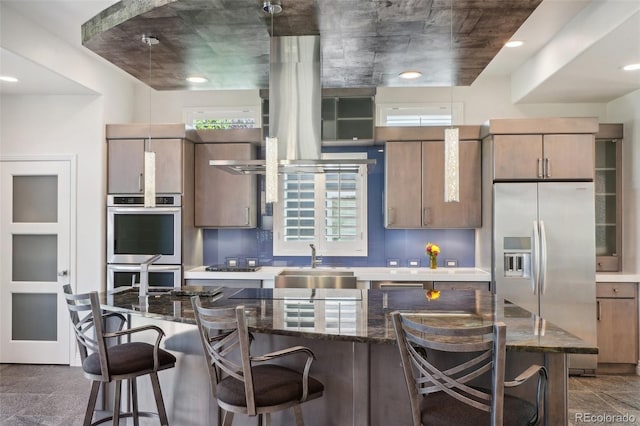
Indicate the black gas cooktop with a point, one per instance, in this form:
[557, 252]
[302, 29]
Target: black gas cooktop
[224, 268]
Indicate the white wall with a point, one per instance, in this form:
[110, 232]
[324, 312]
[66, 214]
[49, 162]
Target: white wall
[67, 125]
[626, 110]
[488, 98]
[168, 106]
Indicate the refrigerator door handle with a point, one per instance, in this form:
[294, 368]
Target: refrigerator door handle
[543, 258]
[535, 259]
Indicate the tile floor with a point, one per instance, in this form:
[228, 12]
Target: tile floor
[56, 396]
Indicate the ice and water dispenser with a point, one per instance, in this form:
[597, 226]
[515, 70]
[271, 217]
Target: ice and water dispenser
[517, 257]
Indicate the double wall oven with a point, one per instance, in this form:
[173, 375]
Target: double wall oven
[135, 234]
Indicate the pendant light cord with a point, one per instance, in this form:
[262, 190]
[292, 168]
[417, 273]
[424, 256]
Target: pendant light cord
[451, 53]
[149, 97]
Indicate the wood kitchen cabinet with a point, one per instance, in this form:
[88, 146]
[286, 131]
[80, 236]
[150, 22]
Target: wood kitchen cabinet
[617, 314]
[223, 199]
[462, 285]
[543, 156]
[414, 186]
[126, 165]
[608, 197]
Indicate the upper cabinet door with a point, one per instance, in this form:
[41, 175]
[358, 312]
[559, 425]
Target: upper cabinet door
[168, 165]
[518, 157]
[222, 199]
[403, 185]
[126, 165]
[569, 156]
[467, 213]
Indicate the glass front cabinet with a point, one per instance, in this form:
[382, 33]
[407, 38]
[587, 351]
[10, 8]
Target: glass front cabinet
[608, 201]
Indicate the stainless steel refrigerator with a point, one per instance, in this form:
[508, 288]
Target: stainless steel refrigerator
[544, 256]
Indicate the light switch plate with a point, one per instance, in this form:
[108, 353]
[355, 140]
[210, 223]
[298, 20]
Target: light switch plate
[393, 263]
[414, 263]
[232, 261]
[451, 263]
[252, 262]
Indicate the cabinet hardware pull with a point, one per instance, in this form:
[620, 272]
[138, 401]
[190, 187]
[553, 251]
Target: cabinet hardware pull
[540, 171]
[547, 167]
[390, 218]
[140, 182]
[426, 215]
[247, 211]
[599, 310]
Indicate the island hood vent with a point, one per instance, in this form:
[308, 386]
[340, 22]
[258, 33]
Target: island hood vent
[295, 101]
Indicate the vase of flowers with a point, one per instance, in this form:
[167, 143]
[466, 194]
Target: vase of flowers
[432, 251]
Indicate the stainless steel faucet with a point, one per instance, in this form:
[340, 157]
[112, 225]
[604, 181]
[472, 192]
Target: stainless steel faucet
[144, 274]
[314, 260]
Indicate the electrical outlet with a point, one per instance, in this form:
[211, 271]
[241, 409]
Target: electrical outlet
[451, 263]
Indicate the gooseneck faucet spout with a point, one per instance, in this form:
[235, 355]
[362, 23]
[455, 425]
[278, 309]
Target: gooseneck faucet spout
[314, 261]
[144, 274]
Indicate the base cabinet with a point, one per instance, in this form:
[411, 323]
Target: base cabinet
[462, 285]
[617, 305]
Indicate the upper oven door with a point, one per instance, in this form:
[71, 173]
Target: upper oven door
[134, 234]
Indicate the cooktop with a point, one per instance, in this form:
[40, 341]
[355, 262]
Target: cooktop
[225, 268]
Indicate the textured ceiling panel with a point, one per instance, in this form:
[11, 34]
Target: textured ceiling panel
[365, 43]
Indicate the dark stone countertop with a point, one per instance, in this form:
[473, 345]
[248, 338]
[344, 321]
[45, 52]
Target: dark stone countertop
[357, 315]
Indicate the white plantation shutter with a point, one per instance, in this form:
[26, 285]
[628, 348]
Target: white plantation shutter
[341, 207]
[299, 207]
[324, 209]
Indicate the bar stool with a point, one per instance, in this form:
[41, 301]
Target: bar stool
[105, 363]
[242, 383]
[446, 395]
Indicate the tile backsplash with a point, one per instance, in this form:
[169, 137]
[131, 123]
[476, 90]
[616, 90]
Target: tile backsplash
[401, 244]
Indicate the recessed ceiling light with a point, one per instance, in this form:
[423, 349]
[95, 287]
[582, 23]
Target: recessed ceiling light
[514, 43]
[8, 78]
[197, 79]
[631, 67]
[410, 75]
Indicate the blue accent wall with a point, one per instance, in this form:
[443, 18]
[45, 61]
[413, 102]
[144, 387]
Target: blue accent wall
[400, 244]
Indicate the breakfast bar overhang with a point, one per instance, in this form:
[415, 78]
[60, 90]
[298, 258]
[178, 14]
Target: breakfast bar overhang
[351, 334]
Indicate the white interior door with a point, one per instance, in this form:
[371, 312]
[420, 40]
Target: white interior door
[35, 225]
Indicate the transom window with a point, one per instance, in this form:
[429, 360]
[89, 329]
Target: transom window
[425, 114]
[324, 209]
[223, 117]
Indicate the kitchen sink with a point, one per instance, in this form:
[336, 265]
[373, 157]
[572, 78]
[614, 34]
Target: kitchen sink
[315, 278]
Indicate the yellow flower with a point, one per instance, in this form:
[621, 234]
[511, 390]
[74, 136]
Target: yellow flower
[432, 249]
[432, 294]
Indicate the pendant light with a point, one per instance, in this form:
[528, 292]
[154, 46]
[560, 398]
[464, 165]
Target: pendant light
[149, 156]
[451, 140]
[271, 142]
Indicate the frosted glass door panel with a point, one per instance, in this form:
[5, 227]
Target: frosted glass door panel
[35, 199]
[35, 258]
[34, 316]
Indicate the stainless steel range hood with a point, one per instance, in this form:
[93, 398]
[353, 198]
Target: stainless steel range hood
[295, 100]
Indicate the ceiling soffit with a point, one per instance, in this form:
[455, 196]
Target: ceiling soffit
[365, 43]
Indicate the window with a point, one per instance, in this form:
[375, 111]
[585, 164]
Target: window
[223, 117]
[427, 114]
[327, 210]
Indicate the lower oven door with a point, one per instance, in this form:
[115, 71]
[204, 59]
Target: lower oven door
[161, 277]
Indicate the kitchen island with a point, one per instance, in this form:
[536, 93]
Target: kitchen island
[351, 333]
